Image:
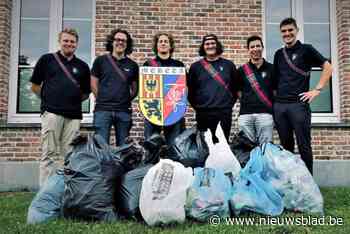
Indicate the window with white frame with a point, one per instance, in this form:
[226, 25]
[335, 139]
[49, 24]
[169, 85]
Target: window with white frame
[316, 21]
[35, 28]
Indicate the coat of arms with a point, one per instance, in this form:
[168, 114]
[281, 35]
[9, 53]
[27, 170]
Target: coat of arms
[163, 94]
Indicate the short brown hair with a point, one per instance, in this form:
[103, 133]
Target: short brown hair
[288, 21]
[70, 31]
[254, 38]
[156, 39]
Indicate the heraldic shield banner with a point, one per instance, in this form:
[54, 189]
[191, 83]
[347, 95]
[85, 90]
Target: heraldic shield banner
[163, 94]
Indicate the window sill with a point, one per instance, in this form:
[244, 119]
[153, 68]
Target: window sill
[35, 125]
[331, 125]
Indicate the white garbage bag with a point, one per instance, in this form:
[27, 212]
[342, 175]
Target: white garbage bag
[220, 154]
[163, 193]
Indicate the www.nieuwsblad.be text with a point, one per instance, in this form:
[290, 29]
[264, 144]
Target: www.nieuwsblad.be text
[275, 221]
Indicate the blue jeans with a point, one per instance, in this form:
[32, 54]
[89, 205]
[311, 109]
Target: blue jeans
[170, 132]
[258, 127]
[121, 121]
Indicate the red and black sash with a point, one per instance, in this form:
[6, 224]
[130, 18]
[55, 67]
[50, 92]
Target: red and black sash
[215, 74]
[153, 62]
[256, 86]
[65, 70]
[292, 65]
[116, 68]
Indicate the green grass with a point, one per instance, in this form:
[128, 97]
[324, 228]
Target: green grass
[13, 211]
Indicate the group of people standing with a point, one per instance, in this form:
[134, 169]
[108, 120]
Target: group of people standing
[270, 94]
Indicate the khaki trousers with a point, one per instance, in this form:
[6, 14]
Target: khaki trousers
[57, 132]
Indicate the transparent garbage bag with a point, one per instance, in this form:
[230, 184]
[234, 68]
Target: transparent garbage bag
[208, 195]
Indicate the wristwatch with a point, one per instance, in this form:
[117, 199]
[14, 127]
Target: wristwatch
[319, 89]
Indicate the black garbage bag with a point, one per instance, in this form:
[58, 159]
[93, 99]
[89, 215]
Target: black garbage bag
[189, 148]
[129, 192]
[130, 154]
[153, 148]
[241, 146]
[90, 172]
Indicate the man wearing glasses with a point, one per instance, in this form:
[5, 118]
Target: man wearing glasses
[114, 80]
[292, 67]
[211, 89]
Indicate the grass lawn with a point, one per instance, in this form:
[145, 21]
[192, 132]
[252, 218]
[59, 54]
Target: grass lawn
[13, 211]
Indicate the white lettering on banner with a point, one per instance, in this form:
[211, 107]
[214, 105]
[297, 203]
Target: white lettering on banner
[163, 70]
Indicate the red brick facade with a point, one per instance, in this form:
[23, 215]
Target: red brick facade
[5, 34]
[343, 28]
[233, 21]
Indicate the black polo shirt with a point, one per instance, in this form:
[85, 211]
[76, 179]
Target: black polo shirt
[165, 62]
[59, 95]
[289, 84]
[250, 103]
[204, 92]
[114, 93]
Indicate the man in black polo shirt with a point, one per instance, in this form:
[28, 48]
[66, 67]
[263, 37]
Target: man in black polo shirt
[62, 81]
[211, 89]
[114, 79]
[292, 66]
[255, 86]
[163, 47]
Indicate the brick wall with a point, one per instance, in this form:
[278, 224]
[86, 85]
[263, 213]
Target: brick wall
[331, 143]
[24, 144]
[19, 144]
[232, 20]
[343, 27]
[187, 21]
[5, 23]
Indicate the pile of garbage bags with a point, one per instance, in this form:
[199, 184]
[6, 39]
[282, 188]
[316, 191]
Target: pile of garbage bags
[195, 180]
[90, 174]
